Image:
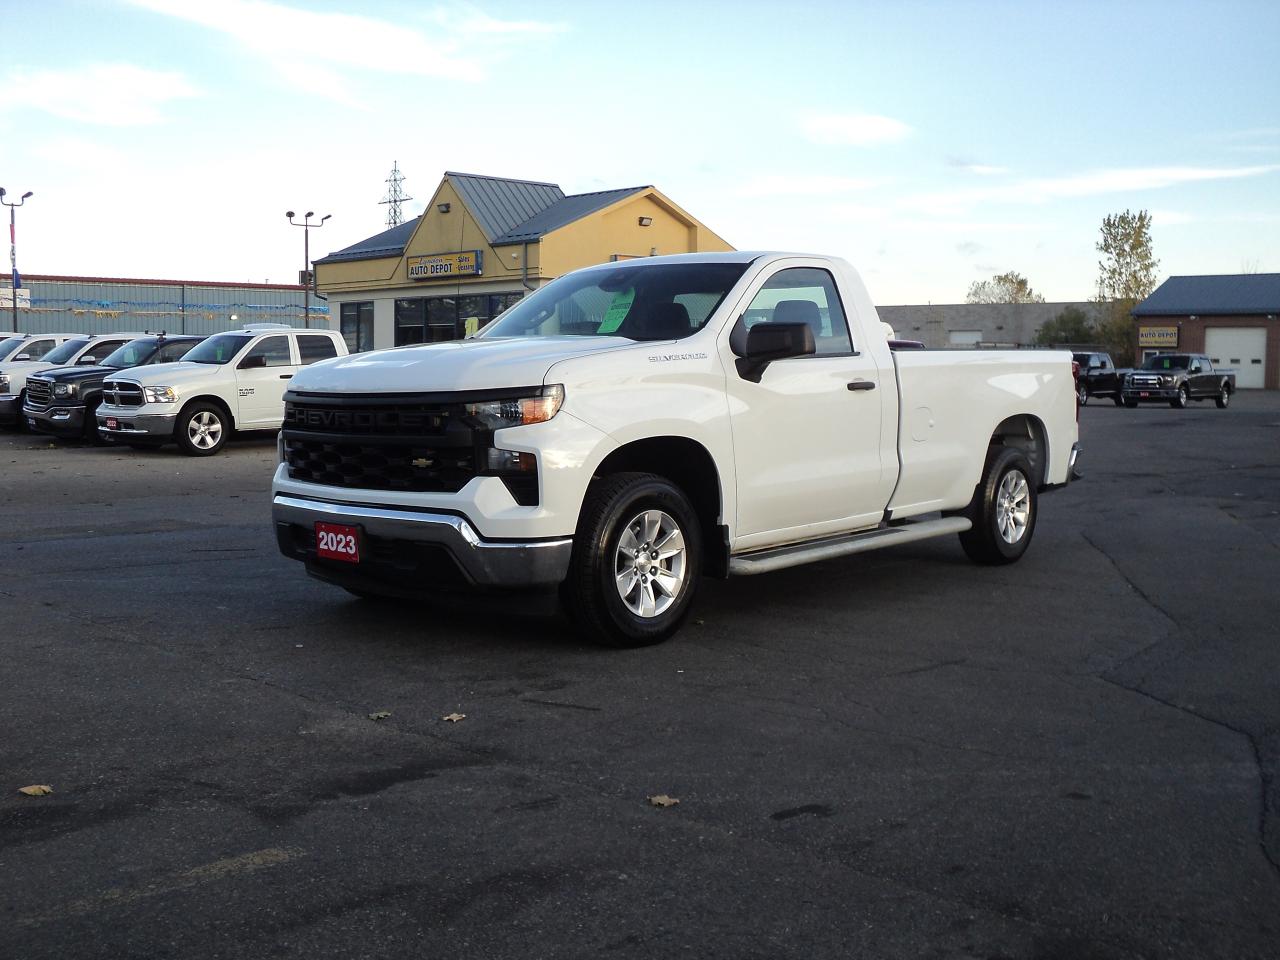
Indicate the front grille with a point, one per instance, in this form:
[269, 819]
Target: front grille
[121, 393]
[1144, 381]
[366, 464]
[39, 393]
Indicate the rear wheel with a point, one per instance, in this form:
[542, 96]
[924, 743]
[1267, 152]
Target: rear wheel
[1003, 509]
[202, 429]
[1180, 401]
[1118, 400]
[1223, 397]
[636, 561]
[1082, 393]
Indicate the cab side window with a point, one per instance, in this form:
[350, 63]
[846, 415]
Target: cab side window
[313, 347]
[37, 348]
[1205, 365]
[804, 295]
[174, 351]
[101, 350]
[274, 351]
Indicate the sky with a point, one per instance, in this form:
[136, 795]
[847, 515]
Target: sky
[931, 144]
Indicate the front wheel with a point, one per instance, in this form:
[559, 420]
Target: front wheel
[1180, 401]
[637, 556]
[1223, 397]
[1082, 394]
[1003, 509]
[201, 430]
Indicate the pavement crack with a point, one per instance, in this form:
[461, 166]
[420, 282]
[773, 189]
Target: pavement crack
[1133, 584]
[1264, 779]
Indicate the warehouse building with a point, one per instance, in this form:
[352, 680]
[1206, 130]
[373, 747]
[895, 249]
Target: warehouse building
[1231, 318]
[975, 325]
[482, 244]
[54, 304]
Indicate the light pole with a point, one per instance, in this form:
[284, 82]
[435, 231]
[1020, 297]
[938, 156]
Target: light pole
[13, 250]
[306, 226]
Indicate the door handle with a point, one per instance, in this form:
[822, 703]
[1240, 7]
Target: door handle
[286, 376]
[862, 385]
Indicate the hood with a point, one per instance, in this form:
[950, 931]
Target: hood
[18, 372]
[76, 374]
[482, 364]
[166, 374]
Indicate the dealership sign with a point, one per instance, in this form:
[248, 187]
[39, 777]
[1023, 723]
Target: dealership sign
[1158, 336]
[438, 266]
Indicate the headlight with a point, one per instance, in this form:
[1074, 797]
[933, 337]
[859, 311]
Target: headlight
[64, 389]
[4, 383]
[159, 394]
[518, 411]
[1168, 381]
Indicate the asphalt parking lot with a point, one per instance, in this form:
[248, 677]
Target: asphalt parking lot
[898, 755]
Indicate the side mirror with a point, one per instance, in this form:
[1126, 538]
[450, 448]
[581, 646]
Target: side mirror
[86, 361]
[1196, 368]
[22, 356]
[767, 342]
[1095, 366]
[252, 363]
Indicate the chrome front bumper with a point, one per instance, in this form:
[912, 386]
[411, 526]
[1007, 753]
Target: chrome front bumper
[483, 563]
[152, 425]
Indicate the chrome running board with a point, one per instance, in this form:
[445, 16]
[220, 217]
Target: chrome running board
[828, 548]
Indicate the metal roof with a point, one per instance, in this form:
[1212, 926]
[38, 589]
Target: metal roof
[499, 204]
[564, 211]
[1226, 294]
[389, 243]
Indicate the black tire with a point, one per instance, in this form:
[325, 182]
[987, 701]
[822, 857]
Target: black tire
[617, 508]
[90, 429]
[1223, 398]
[1130, 403]
[1119, 400]
[1082, 394]
[996, 536]
[1182, 399]
[21, 425]
[202, 429]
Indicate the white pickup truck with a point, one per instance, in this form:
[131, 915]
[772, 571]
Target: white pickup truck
[631, 427]
[231, 381]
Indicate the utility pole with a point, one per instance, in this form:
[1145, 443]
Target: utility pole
[307, 277]
[13, 251]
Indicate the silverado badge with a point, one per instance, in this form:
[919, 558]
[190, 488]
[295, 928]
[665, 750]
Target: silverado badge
[421, 463]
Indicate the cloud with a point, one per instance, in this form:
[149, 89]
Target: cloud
[968, 248]
[110, 94]
[775, 185]
[979, 169]
[311, 49]
[855, 129]
[1094, 183]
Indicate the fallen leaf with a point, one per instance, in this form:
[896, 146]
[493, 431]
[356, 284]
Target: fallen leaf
[380, 715]
[36, 790]
[662, 800]
[454, 717]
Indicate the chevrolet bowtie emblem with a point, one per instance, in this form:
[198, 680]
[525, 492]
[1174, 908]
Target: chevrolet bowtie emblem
[421, 462]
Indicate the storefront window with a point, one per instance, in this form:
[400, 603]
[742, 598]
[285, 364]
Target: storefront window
[442, 318]
[410, 321]
[356, 322]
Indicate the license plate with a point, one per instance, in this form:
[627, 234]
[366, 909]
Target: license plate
[337, 541]
[1144, 394]
[113, 423]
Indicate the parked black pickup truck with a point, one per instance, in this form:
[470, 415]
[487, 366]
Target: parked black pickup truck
[1178, 378]
[61, 402]
[1098, 377]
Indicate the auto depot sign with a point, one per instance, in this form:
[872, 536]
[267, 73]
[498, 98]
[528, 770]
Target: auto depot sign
[1162, 336]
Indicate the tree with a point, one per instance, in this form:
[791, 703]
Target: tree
[1072, 325]
[1126, 276]
[1008, 287]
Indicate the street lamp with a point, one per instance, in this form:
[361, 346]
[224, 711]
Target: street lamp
[306, 226]
[13, 250]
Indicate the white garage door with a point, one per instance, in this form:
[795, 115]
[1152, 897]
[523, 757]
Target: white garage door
[1243, 348]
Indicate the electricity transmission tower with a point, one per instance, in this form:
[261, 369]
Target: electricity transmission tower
[395, 196]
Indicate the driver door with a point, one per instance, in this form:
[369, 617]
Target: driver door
[262, 376]
[808, 436]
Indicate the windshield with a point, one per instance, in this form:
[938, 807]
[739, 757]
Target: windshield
[1081, 358]
[219, 349]
[133, 354]
[9, 346]
[661, 302]
[63, 354]
[1169, 361]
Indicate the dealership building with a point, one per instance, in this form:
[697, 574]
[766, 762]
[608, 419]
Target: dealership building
[1231, 318]
[482, 244]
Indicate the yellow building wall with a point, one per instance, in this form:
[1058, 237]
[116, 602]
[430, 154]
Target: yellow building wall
[616, 230]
